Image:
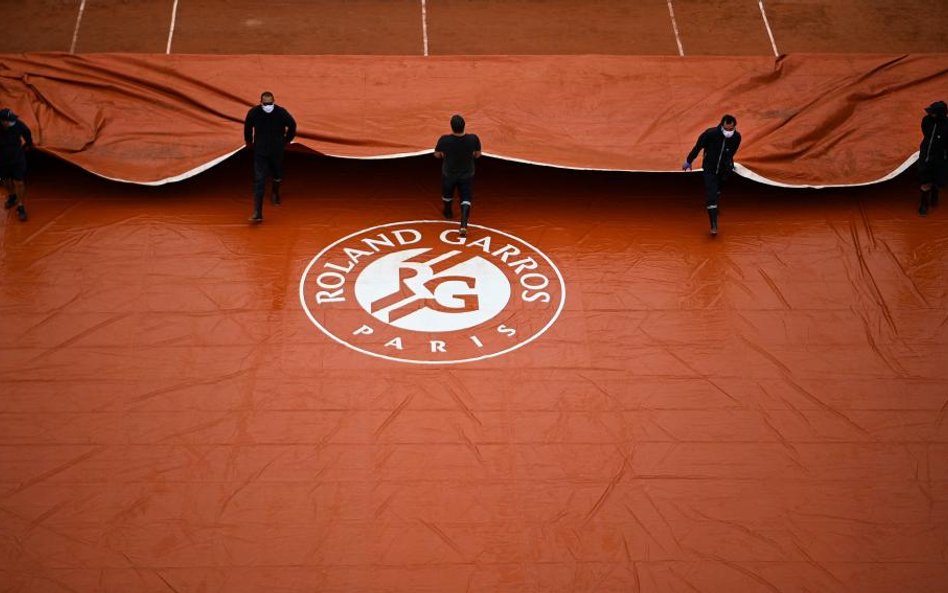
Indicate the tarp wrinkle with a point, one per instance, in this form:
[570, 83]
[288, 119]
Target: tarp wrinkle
[807, 120]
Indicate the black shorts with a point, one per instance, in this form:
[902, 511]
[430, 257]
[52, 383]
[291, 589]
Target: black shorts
[14, 168]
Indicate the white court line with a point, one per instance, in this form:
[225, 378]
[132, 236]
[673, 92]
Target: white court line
[671, 13]
[174, 16]
[770, 33]
[424, 24]
[75, 32]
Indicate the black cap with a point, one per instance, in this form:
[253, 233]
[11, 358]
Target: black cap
[7, 115]
[937, 108]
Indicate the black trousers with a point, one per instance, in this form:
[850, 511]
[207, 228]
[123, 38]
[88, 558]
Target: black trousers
[265, 165]
[935, 172]
[13, 167]
[463, 187]
[712, 189]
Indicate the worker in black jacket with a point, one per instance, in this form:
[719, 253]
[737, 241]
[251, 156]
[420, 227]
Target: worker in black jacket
[15, 139]
[932, 157]
[268, 128]
[719, 144]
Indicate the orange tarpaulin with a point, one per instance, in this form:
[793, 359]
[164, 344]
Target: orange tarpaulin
[761, 412]
[807, 120]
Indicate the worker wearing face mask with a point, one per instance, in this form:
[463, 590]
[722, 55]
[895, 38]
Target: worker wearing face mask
[933, 154]
[719, 144]
[268, 128]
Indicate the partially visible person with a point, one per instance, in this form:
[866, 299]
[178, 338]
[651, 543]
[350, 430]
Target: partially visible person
[457, 150]
[719, 144]
[268, 128]
[933, 155]
[15, 140]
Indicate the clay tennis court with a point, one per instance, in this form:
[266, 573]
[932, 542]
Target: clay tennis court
[766, 411]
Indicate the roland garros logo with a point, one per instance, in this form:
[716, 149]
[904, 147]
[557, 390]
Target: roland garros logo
[418, 292]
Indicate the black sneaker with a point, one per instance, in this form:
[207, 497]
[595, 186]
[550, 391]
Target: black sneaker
[21, 213]
[275, 199]
[11, 202]
[923, 210]
[256, 217]
[463, 232]
[714, 230]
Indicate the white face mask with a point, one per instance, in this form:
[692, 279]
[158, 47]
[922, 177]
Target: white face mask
[268, 108]
[727, 133]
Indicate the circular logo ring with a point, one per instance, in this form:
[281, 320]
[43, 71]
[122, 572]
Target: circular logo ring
[416, 292]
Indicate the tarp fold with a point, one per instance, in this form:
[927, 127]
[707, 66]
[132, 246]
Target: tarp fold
[807, 120]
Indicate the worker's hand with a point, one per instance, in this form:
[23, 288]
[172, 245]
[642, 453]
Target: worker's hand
[686, 166]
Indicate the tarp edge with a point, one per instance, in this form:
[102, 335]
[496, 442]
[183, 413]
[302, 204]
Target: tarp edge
[740, 169]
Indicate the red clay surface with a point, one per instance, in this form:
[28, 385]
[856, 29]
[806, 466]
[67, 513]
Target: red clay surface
[124, 27]
[42, 25]
[721, 28]
[486, 27]
[310, 27]
[854, 26]
[762, 412]
[555, 27]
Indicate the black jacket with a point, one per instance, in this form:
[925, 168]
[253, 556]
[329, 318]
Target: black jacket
[269, 132]
[934, 140]
[14, 139]
[718, 151]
